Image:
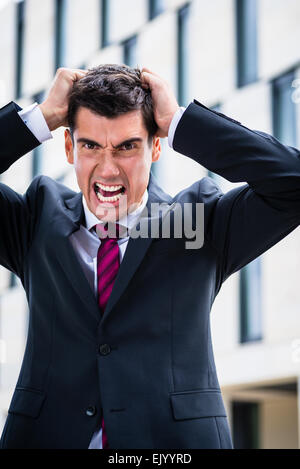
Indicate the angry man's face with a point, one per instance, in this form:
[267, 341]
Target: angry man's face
[112, 159]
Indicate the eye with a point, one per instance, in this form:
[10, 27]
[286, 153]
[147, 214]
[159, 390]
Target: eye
[127, 146]
[89, 146]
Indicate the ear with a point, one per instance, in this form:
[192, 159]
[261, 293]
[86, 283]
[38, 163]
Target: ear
[69, 149]
[156, 149]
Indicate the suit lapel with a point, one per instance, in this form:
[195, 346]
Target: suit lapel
[137, 247]
[71, 219]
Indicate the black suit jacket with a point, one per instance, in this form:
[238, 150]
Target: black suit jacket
[148, 362]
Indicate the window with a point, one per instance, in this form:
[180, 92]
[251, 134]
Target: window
[61, 178]
[245, 420]
[250, 302]
[36, 161]
[20, 25]
[216, 107]
[284, 110]
[156, 7]
[216, 177]
[246, 30]
[60, 33]
[130, 52]
[13, 280]
[37, 153]
[183, 55]
[105, 22]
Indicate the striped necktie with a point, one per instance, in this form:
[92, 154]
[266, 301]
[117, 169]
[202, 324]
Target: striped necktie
[108, 263]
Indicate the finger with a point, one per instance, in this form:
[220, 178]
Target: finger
[147, 70]
[150, 80]
[70, 72]
[146, 77]
[146, 81]
[80, 72]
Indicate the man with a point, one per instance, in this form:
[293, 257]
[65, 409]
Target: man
[135, 368]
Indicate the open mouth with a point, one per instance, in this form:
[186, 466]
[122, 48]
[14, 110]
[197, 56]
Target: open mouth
[108, 193]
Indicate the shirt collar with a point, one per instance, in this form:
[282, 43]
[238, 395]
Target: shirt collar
[129, 220]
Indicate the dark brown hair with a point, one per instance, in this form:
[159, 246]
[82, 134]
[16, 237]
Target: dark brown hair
[110, 91]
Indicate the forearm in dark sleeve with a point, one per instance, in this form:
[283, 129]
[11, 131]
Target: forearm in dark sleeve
[250, 219]
[239, 154]
[15, 209]
[15, 137]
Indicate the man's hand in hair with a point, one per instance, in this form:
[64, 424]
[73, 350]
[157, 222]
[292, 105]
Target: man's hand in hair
[55, 106]
[164, 102]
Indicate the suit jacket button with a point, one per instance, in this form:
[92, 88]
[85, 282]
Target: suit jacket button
[91, 411]
[104, 349]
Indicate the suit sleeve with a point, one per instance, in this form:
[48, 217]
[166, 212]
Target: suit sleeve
[249, 219]
[16, 210]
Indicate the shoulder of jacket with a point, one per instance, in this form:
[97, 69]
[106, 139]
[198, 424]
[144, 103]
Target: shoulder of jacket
[46, 185]
[205, 190]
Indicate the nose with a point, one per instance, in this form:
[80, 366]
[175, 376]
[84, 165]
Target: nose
[107, 166]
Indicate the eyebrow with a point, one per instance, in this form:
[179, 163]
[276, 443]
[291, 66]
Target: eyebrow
[93, 142]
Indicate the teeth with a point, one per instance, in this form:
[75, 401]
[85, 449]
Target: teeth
[108, 199]
[108, 188]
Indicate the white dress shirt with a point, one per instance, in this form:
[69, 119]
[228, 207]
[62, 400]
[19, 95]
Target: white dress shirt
[85, 241]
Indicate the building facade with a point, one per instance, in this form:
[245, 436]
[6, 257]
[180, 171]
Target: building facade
[241, 57]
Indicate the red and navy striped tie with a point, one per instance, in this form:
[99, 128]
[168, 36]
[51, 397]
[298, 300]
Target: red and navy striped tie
[108, 263]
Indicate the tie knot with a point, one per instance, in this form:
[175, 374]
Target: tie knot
[110, 230]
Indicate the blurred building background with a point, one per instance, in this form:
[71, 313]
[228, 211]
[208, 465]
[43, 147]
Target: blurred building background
[241, 57]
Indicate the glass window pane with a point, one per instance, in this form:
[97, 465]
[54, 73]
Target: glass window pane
[245, 420]
[246, 27]
[155, 8]
[251, 302]
[130, 52]
[60, 33]
[183, 55]
[284, 110]
[105, 22]
[20, 25]
[37, 153]
[13, 280]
